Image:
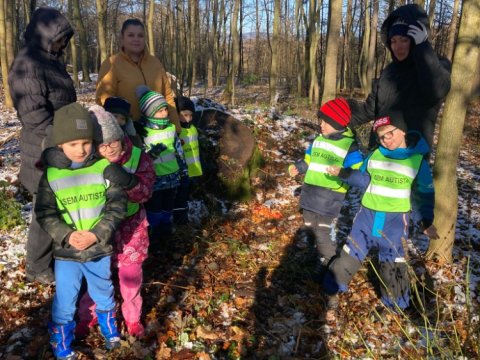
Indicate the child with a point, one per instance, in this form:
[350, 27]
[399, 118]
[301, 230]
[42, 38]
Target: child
[322, 194]
[191, 150]
[120, 108]
[388, 174]
[136, 175]
[164, 147]
[80, 210]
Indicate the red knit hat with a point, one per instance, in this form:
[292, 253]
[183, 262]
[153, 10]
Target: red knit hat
[336, 112]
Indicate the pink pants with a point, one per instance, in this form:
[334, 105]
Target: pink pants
[130, 282]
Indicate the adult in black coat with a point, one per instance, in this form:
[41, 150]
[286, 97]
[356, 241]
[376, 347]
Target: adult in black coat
[39, 85]
[415, 82]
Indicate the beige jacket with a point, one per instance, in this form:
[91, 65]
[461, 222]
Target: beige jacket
[120, 76]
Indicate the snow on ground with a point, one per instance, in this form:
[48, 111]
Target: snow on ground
[280, 129]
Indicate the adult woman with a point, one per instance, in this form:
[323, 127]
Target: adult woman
[415, 82]
[133, 66]
[39, 85]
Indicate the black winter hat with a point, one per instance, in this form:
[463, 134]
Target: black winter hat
[117, 105]
[72, 122]
[394, 118]
[184, 103]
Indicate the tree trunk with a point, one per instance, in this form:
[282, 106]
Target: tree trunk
[431, 12]
[151, 40]
[452, 30]
[229, 89]
[333, 37]
[451, 133]
[275, 48]
[101, 24]
[3, 56]
[313, 35]
[372, 45]
[9, 32]
[363, 59]
[82, 36]
[347, 76]
[212, 35]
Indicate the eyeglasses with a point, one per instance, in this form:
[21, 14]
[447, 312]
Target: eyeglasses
[113, 145]
[387, 136]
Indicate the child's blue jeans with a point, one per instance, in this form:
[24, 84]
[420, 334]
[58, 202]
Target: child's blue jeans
[68, 277]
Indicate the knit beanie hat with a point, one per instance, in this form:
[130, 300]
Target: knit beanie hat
[149, 101]
[117, 105]
[71, 122]
[336, 112]
[394, 118]
[399, 27]
[106, 125]
[184, 103]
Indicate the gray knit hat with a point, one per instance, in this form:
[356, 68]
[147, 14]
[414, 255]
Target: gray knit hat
[71, 122]
[149, 101]
[107, 128]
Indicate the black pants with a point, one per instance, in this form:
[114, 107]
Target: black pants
[323, 229]
[39, 249]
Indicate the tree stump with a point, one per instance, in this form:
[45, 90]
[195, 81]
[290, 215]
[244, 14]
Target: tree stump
[229, 153]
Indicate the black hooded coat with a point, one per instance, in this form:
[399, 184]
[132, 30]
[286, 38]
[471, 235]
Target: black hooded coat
[415, 86]
[39, 85]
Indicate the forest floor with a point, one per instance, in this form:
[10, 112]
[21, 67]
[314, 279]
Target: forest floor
[240, 282]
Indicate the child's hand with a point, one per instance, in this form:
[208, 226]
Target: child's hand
[292, 170]
[333, 170]
[82, 239]
[431, 232]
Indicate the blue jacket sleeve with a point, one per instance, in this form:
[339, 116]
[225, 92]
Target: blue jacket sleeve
[423, 194]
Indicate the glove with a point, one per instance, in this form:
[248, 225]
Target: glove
[118, 175]
[55, 157]
[418, 33]
[156, 149]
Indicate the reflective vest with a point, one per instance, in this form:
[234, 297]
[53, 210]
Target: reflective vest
[80, 193]
[326, 152]
[166, 163]
[131, 166]
[390, 182]
[191, 151]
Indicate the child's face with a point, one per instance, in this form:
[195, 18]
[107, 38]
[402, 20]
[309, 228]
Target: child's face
[161, 114]
[112, 151]
[186, 116]
[77, 150]
[121, 119]
[327, 129]
[391, 137]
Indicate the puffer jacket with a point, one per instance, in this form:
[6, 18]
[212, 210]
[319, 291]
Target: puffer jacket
[119, 76]
[39, 85]
[50, 219]
[415, 86]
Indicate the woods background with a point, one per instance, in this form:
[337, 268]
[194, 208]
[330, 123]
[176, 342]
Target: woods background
[282, 42]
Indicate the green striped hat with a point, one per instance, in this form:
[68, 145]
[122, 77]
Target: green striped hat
[149, 101]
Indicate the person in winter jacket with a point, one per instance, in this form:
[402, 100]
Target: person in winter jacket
[388, 176]
[135, 173]
[163, 145]
[39, 85]
[415, 82]
[80, 207]
[322, 194]
[133, 66]
[191, 150]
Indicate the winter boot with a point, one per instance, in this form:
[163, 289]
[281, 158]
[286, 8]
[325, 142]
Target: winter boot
[108, 327]
[61, 337]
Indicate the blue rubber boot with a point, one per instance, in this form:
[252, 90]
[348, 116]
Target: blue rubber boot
[61, 337]
[108, 327]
